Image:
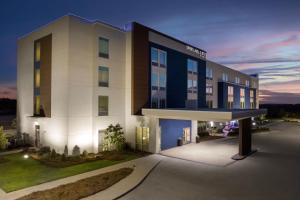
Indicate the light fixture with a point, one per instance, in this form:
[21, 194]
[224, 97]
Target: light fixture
[253, 123]
[26, 156]
[36, 123]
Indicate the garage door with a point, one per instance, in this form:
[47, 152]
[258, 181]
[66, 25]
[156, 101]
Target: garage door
[171, 130]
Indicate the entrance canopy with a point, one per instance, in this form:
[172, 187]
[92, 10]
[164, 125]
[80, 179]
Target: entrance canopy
[217, 115]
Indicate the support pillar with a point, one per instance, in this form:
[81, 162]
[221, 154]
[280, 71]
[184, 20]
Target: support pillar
[245, 139]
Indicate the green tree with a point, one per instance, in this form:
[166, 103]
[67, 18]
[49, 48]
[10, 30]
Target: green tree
[3, 140]
[114, 137]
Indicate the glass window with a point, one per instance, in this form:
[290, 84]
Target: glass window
[162, 80]
[154, 79]
[192, 79]
[103, 76]
[230, 97]
[237, 80]
[154, 55]
[103, 47]
[247, 83]
[163, 58]
[103, 105]
[225, 77]
[37, 52]
[242, 98]
[37, 105]
[209, 89]
[37, 78]
[209, 74]
[192, 66]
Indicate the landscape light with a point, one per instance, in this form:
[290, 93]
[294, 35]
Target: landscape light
[26, 156]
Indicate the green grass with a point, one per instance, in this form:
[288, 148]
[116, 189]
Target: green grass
[18, 173]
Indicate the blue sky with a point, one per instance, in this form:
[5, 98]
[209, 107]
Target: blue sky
[253, 36]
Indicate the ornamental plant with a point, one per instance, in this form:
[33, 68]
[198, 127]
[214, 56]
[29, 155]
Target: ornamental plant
[3, 139]
[114, 137]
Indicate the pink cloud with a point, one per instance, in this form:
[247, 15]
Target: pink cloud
[9, 92]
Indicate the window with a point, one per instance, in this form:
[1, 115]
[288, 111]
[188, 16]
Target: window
[192, 79]
[103, 76]
[209, 103]
[247, 83]
[230, 97]
[225, 77]
[37, 52]
[254, 84]
[209, 89]
[102, 105]
[158, 78]
[242, 98]
[237, 80]
[103, 47]
[252, 104]
[209, 73]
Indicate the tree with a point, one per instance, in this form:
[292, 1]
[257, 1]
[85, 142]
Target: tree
[3, 140]
[114, 137]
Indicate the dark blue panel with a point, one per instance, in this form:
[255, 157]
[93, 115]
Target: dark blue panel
[236, 96]
[247, 98]
[171, 130]
[222, 95]
[177, 78]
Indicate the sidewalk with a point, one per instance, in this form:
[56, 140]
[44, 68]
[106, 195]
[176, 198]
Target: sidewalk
[142, 167]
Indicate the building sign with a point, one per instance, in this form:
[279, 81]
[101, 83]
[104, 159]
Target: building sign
[196, 51]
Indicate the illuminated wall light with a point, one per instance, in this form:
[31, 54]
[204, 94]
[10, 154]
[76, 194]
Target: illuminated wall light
[211, 123]
[36, 123]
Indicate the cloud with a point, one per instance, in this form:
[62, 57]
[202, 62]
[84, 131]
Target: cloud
[8, 91]
[269, 97]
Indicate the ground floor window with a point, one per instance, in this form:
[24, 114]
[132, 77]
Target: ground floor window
[102, 105]
[142, 138]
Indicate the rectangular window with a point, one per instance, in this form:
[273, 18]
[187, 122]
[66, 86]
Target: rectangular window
[37, 52]
[247, 83]
[237, 80]
[230, 97]
[209, 89]
[103, 47]
[102, 105]
[242, 98]
[103, 76]
[192, 79]
[225, 77]
[209, 73]
[158, 78]
[253, 84]
[252, 104]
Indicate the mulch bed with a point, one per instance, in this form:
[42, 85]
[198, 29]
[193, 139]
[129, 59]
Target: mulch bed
[82, 188]
[207, 138]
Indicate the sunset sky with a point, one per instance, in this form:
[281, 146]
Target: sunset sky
[252, 36]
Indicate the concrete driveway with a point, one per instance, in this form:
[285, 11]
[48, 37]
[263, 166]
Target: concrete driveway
[271, 173]
[214, 152]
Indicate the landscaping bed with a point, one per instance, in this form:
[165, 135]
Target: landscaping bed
[82, 188]
[18, 172]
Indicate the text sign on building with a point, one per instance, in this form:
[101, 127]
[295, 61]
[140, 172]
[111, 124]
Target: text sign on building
[196, 51]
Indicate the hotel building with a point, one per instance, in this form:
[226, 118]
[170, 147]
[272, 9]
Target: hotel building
[76, 77]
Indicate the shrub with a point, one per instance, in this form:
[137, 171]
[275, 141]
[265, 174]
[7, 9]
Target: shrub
[85, 154]
[76, 151]
[44, 150]
[66, 151]
[63, 157]
[3, 140]
[53, 154]
[114, 137]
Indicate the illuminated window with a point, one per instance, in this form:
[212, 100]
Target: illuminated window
[209, 89]
[103, 76]
[103, 105]
[103, 47]
[252, 104]
[242, 98]
[209, 103]
[37, 52]
[37, 105]
[192, 79]
[37, 78]
[230, 97]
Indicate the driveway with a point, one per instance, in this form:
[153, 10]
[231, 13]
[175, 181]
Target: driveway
[214, 152]
[271, 173]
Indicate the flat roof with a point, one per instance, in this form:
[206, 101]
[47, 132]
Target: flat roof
[218, 115]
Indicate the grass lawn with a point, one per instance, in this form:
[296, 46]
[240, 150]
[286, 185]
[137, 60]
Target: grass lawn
[17, 173]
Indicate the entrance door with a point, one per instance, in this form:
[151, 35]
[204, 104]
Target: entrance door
[186, 136]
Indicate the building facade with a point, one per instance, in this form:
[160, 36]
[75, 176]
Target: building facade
[76, 77]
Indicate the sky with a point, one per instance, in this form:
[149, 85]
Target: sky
[258, 36]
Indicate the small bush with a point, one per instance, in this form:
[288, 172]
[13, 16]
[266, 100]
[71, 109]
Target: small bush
[84, 154]
[63, 157]
[44, 150]
[66, 151]
[203, 134]
[3, 140]
[76, 151]
[53, 154]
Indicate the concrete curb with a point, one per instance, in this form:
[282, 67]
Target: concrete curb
[142, 167]
[10, 152]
